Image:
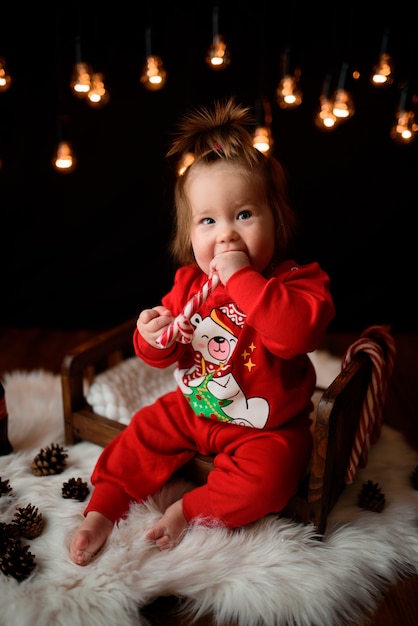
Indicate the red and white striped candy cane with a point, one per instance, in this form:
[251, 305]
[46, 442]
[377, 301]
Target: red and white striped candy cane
[180, 328]
[370, 425]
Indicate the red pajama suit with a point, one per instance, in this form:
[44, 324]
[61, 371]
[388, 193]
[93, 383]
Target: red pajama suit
[244, 388]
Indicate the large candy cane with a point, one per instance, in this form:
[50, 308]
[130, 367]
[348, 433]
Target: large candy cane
[181, 328]
[370, 425]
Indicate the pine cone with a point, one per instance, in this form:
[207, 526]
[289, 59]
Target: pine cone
[75, 489]
[50, 460]
[371, 497]
[17, 561]
[4, 487]
[30, 522]
[9, 533]
[414, 478]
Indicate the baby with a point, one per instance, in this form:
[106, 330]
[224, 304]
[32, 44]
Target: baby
[244, 378]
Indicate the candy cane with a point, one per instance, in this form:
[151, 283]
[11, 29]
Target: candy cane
[180, 328]
[370, 425]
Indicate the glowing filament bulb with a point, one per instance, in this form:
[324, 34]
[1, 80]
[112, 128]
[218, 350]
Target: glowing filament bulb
[287, 93]
[382, 73]
[325, 118]
[154, 75]
[5, 78]
[405, 128]
[343, 107]
[98, 95]
[218, 57]
[81, 80]
[185, 162]
[262, 140]
[64, 159]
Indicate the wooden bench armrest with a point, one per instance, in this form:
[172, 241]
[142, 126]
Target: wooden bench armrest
[338, 416]
[334, 432]
[84, 363]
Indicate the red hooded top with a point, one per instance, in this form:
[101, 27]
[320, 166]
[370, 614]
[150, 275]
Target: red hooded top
[247, 362]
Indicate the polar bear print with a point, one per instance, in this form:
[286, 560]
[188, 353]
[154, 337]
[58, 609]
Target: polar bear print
[209, 384]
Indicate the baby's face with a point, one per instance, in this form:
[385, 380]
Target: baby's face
[229, 214]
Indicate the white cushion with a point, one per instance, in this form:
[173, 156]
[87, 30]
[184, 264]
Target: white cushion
[121, 390]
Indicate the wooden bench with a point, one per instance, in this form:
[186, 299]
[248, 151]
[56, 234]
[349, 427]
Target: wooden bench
[334, 430]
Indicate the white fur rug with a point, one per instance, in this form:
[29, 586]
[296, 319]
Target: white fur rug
[270, 574]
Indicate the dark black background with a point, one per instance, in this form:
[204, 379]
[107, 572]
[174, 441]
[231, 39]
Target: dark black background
[89, 249]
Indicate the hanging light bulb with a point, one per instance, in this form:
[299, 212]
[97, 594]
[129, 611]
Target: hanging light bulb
[98, 95]
[81, 77]
[383, 71]
[287, 94]
[343, 106]
[262, 138]
[153, 76]
[185, 162]
[405, 128]
[64, 160]
[5, 78]
[81, 80]
[218, 54]
[325, 118]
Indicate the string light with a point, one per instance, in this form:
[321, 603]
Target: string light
[218, 54]
[153, 75]
[343, 105]
[262, 139]
[405, 128]
[288, 94]
[383, 71]
[64, 160]
[98, 95]
[81, 77]
[331, 110]
[325, 118]
[5, 78]
[81, 81]
[185, 161]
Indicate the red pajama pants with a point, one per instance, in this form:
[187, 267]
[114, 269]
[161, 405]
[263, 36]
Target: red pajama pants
[256, 471]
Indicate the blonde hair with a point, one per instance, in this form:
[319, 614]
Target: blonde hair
[226, 132]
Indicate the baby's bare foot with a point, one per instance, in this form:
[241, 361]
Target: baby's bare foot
[169, 530]
[90, 537]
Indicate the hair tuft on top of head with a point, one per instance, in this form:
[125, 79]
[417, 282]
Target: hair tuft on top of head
[225, 131]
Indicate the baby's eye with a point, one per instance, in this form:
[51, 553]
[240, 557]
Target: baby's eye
[244, 215]
[208, 220]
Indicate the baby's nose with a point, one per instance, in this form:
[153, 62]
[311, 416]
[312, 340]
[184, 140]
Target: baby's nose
[228, 233]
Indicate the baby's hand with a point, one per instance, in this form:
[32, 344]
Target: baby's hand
[152, 322]
[227, 263]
